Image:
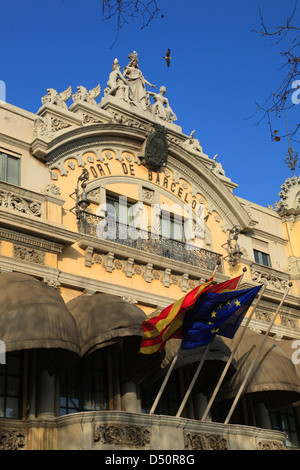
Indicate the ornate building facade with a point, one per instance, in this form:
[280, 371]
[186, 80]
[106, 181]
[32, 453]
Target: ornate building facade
[108, 214]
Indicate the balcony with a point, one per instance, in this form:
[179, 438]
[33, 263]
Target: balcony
[149, 242]
[116, 430]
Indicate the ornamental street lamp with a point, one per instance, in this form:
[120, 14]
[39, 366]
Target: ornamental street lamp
[232, 246]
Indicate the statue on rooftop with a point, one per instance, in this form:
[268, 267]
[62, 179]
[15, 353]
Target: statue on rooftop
[193, 143]
[137, 82]
[117, 85]
[83, 94]
[58, 99]
[161, 106]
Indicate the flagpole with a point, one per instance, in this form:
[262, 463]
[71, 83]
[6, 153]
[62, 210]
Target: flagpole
[209, 405]
[189, 390]
[241, 389]
[163, 385]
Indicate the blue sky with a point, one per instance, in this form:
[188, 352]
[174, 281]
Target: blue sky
[220, 68]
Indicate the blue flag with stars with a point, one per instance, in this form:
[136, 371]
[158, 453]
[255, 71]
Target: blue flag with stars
[216, 314]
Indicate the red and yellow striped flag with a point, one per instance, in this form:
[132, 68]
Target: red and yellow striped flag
[168, 323]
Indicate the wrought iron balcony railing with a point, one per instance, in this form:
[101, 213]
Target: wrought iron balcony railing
[149, 242]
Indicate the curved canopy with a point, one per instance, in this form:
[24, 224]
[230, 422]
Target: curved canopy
[103, 319]
[34, 315]
[274, 378]
[211, 370]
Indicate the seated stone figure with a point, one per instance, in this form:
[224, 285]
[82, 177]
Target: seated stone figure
[161, 106]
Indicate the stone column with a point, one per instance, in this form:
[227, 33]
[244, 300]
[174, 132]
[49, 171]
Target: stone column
[129, 397]
[32, 385]
[46, 395]
[200, 403]
[263, 416]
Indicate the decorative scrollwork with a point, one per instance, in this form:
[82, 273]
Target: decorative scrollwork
[201, 441]
[121, 435]
[12, 440]
[9, 200]
[270, 445]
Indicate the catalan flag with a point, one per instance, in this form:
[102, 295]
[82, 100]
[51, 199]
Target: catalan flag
[216, 314]
[158, 329]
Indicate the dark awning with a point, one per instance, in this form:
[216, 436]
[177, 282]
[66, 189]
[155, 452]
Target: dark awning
[274, 377]
[33, 315]
[211, 370]
[104, 319]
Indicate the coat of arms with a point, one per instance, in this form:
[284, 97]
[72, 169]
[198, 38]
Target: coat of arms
[156, 150]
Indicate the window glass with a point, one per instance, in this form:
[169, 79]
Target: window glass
[262, 258]
[85, 387]
[10, 382]
[9, 169]
[285, 420]
[172, 227]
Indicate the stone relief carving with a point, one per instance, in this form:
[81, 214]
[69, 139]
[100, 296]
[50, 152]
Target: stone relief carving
[201, 441]
[264, 316]
[121, 435]
[129, 121]
[90, 96]
[12, 440]
[90, 120]
[289, 322]
[148, 195]
[51, 190]
[270, 445]
[58, 124]
[58, 99]
[40, 129]
[17, 203]
[28, 254]
[275, 281]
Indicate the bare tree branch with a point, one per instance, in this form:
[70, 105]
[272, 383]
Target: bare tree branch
[124, 11]
[280, 100]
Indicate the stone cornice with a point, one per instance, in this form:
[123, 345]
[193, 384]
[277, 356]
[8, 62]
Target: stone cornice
[30, 225]
[27, 240]
[95, 134]
[13, 141]
[268, 236]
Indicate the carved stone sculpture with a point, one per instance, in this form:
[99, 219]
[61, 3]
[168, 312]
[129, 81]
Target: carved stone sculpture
[59, 99]
[289, 195]
[192, 143]
[117, 85]
[161, 107]
[137, 82]
[217, 167]
[83, 94]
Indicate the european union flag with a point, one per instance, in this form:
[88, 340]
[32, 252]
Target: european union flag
[216, 314]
